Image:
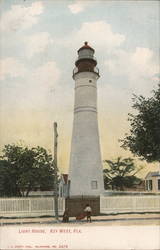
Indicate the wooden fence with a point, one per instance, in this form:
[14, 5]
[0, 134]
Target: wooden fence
[135, 204]
[28, 207]
[44, 206]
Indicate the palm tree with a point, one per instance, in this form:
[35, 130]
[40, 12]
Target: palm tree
[120, 173]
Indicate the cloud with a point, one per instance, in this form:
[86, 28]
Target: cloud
[40, 85]
[79, 6]
[46, 74]
[11, 67]
[20, 17]
[37, 43]
[99, 33]
[138, 66]
[142, 60]
[35, 90]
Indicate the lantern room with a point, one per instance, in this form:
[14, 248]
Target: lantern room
[86, 61]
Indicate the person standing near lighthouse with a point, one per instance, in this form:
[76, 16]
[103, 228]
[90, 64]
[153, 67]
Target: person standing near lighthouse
[85, 172]
[88, 211]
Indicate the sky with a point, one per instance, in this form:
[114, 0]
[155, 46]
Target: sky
[38, 48]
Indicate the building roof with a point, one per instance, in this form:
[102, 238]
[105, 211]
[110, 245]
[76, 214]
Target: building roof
[152, 174]
[86, 46]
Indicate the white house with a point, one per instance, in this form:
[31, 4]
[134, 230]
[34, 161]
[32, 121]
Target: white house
[63, 186]
[152, 181]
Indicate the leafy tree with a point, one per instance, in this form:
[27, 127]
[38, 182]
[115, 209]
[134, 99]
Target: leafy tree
[120, 173]
[23, 169]
[7, 180]
[144, 138]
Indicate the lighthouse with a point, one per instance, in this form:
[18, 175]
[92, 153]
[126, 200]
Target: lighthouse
[85, 171]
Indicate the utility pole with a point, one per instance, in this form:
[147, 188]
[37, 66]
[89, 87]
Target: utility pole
[55, 172]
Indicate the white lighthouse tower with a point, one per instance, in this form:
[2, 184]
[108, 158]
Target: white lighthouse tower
[85, 173]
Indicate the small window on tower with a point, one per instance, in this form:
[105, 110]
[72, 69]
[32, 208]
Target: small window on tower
[90, 80]
[94, 184]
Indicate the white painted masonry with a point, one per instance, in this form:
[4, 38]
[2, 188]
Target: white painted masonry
[85, 173]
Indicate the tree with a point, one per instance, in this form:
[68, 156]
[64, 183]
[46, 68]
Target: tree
[7, 180]
[119, 174]
[23, 169]
[144, 138]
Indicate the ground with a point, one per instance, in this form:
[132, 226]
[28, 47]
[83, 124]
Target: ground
[105, 232]
[102, 220]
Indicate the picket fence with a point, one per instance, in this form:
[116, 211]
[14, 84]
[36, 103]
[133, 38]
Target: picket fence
[129, 204]
[28, 207]
[44, 206]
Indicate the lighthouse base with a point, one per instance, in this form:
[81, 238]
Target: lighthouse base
[76, 204]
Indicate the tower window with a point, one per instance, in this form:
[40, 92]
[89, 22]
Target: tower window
[94, 184]
[90, 80]
[159, 184]
[150, 184]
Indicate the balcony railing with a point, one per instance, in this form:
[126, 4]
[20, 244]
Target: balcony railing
[95, 70]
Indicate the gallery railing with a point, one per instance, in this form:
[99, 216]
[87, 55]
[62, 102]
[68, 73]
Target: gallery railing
[95, 70]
